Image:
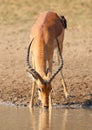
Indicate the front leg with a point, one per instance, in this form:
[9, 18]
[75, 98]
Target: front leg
[32, 94]
[50, 101]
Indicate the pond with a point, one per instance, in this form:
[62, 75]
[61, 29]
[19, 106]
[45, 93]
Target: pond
[22, 118]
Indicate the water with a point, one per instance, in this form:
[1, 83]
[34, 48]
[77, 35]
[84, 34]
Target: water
[13, 118]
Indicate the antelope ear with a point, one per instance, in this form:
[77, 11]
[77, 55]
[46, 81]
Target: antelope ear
[64, 21]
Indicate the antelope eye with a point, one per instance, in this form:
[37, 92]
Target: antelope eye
[39, 90]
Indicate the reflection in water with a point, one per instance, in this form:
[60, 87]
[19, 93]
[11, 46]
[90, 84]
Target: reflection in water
[48, 119]
[62, 119]
[13, 118]
[40, 119]
[44, 120]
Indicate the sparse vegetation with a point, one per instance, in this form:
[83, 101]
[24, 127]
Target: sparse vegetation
[78, 13]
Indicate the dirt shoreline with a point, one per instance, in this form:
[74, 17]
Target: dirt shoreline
[86, 105]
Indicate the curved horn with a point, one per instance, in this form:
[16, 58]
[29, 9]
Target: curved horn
[34, 73]
[61, 63]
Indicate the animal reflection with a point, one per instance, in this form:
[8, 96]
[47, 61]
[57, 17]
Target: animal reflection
[49, 119]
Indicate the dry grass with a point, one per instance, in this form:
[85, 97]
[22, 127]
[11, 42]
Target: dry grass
[78, 13]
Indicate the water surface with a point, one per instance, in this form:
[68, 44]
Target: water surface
[22, 118]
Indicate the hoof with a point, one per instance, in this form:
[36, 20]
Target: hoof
[68, 96]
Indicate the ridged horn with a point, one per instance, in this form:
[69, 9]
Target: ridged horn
[34, 73]
[60, 66]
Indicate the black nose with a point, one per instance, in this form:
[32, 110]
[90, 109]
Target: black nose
[46, 107]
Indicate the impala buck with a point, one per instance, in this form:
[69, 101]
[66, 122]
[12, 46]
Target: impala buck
[47, 34]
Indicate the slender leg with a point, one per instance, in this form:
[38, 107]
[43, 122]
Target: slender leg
[33, 85]
[49, 75]
[50, 101]
[32, 94]
[64, 86]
